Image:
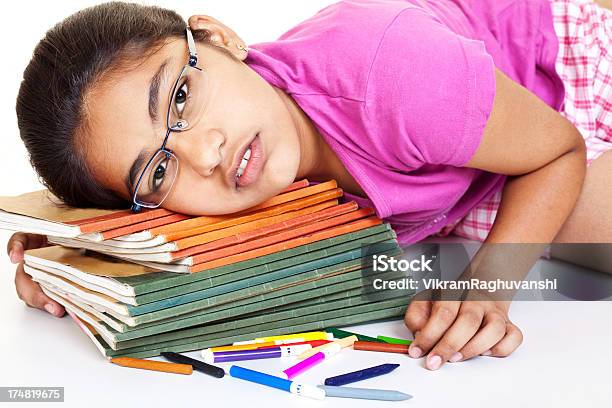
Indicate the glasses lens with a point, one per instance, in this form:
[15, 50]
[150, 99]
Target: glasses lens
[157, 179]
[188, 99]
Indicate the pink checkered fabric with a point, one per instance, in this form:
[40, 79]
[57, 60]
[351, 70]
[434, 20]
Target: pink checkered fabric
[584, 63]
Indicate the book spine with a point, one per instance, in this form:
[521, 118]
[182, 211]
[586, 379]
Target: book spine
[265, 247]
[219, 277]
[142, 226]
[250, 230]
[119, 219]
[162, 280]
[227, 338]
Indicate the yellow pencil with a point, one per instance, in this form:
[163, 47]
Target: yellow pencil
[320, 335]
[153, 365]
[345, 342]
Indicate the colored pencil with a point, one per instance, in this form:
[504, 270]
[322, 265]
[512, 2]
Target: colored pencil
[393, 340]
[382, 347]
[364, 393]
[153, 365]
[360, 375]
[338, 334]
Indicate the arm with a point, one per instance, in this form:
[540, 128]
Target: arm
[605, 3]
[545, 156]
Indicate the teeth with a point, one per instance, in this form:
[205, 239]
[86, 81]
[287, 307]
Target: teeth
[243, 163]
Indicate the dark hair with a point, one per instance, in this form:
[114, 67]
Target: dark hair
[65, 64]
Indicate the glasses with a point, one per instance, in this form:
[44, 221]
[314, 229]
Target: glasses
[186, 103]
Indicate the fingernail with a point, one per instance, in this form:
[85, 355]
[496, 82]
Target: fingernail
[49, 308]
[414, 352]
[486, 353]
[433, 362]
[13, 253]
[455, 357]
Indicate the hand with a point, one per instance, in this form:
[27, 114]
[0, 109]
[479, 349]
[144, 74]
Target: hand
[459, 330]
[28, 290]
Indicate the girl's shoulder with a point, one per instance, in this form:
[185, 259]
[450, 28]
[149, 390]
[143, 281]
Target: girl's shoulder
[331, 52]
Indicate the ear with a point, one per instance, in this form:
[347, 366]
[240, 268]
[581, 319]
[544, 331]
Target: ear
[220, 34]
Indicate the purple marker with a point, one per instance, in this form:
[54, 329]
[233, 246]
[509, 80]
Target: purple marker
[256, 354]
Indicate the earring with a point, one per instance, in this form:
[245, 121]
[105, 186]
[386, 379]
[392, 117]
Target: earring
[242, 47]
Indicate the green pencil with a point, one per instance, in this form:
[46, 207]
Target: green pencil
[340, 334]
[393, 340]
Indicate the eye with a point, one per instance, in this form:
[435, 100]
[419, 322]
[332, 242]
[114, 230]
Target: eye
[157, 177]
[180, 98]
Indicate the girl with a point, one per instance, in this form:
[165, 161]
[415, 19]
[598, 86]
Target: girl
[446, 116]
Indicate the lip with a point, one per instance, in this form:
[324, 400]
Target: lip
[253, 167]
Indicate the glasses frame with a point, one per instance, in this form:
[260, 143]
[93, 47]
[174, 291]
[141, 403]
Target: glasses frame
[179, 126]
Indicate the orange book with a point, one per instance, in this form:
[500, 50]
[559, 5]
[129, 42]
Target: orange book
[117, 219]
[263, 217]
[291, 243]
[127, 217]
[254, 228]
[296, 186]
[294, 219]
[142, 226]
[40, 212]
[279, 237]
[175, 231]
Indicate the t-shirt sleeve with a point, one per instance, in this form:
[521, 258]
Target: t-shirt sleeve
[430, 92]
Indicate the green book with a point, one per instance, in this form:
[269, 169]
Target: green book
[336, 287]
[236, 290]
[121, 278]
[341, 317]
[262, 319]
[351, 319]
[326, 256]
[309, 293]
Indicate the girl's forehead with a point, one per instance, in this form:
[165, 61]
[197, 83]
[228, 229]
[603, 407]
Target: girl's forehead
[119, 124]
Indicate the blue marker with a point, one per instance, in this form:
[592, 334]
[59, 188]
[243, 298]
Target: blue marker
[305, 390]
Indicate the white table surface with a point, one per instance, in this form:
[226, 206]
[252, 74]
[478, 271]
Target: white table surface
[564, 361]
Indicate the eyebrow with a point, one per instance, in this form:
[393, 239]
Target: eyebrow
[154, 91]
[153, 107]
[138, 163]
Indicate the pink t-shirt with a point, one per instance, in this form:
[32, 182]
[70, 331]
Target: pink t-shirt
[401, 90]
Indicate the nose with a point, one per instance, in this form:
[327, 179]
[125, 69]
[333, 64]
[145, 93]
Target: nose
[200, 150]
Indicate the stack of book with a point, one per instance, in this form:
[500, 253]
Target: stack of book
[140, 284]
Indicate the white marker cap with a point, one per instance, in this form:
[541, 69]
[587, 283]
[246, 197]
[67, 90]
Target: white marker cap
[208, 356]
[307, 390]
[291, 351]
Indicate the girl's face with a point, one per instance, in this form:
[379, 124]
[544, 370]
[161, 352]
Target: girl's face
[239, 106]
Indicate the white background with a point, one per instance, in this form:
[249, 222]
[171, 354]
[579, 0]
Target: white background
[564, 361]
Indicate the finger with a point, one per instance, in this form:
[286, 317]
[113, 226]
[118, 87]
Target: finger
[510, 342]
[417, 315]
[443, 314]
[466, 325]
[492, 331]
[19, 242]
[31, 293]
